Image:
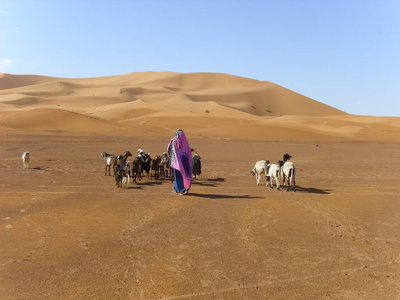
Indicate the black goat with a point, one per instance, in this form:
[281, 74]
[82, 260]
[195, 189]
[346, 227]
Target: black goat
[197, 163]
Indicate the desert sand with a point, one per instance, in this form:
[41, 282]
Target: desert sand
[67, 232]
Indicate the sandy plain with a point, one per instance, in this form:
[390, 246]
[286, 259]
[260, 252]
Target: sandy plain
[66, 231]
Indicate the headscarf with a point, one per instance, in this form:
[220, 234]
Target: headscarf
[181, 156]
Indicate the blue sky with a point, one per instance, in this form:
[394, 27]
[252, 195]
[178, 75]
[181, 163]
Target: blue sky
[344, 53]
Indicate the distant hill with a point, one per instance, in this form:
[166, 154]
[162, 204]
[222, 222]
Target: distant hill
[200, 93]
[155, 104]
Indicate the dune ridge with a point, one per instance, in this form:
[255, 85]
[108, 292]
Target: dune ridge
[206, 104]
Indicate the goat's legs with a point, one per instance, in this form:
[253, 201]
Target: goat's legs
[290, 182]
[284, 180]
[127, 179]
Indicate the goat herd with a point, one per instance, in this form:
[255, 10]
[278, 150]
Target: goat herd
[143, 165]
[159, 168]
[273, 172]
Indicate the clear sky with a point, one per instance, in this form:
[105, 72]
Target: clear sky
[344, 53]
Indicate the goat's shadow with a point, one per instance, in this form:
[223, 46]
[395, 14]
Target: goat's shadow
[135, 188]
[149, 183]
[210, 182]
[312, 190]
[39, 168]
[219, 196]
[204, 183]
[219, 179]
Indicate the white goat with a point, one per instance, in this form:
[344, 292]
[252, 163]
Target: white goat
[288, 171]
[110, 161]
[273, 175]
[259, 167]
[25, 160]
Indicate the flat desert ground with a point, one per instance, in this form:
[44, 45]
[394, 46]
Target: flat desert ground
[67, 232]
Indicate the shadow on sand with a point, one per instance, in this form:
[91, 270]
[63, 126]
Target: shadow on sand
[150, 183]
[219, 179]
[39, 168]
[311, 190]
[210, 184]
[217, 196]
[135, 188]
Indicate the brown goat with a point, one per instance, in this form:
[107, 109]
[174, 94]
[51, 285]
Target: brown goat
[118, 175]
[155, 167]
[164, 165]
[136, 171]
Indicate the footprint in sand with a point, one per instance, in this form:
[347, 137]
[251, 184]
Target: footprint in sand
[84, 242]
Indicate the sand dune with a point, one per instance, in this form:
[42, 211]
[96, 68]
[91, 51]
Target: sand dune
[9, 81]
[67, 232]
[53, 120]
[123, 111]
[251, 96]
[206, 104]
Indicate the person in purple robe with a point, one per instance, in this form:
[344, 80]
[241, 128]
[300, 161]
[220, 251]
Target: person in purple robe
[181, 162]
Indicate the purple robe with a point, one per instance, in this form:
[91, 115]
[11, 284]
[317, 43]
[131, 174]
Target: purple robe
[180, 156]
